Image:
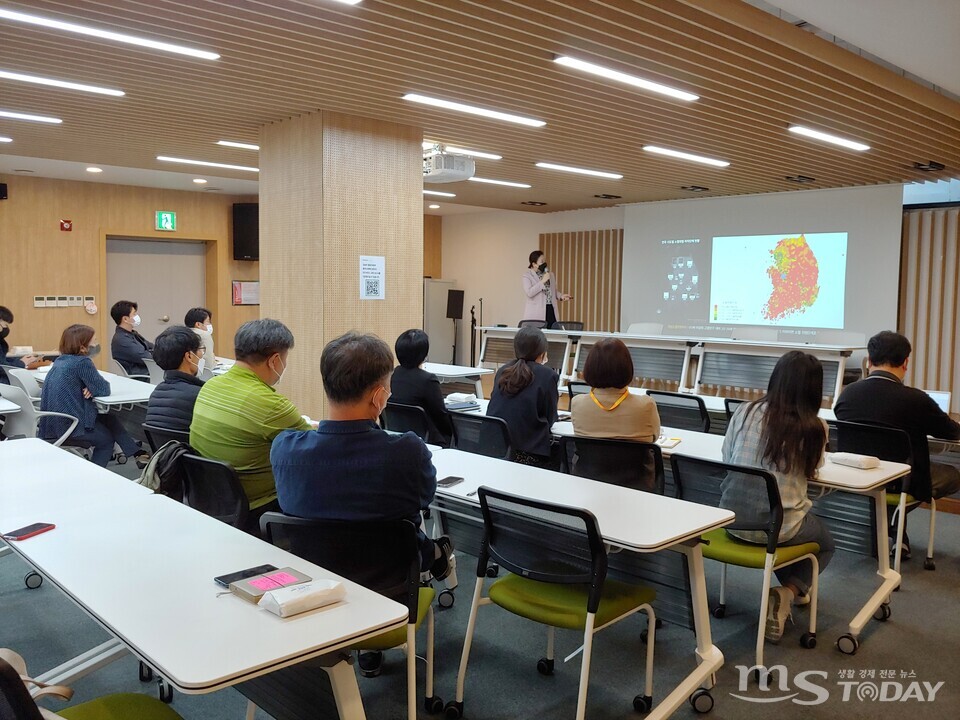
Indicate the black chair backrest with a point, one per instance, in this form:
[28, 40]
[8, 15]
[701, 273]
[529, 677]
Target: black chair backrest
[533, 323]
[681, 410]
[398, 417]
[718, 484]
[885, 443]
[542, 541]
[158, 436]
[381, 555]
[213, 488]
[730, 406]
[482, 435]
[568, 325]
[15, 700]
[627, 463]
[575, 387]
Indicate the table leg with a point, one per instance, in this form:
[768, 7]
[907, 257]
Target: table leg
[346, 691]
[92, 660]
[478, 387]
[709, 657]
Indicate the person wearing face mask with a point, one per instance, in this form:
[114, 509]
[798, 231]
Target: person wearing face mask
[540, 288]
[128, 346]
[27, 361]
[200, 320]
[238, 414]
[70, 386]
[180, 354]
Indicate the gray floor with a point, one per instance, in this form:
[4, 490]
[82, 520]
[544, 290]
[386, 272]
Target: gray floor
[922, 638]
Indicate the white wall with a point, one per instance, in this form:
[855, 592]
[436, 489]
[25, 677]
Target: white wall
[487, 252]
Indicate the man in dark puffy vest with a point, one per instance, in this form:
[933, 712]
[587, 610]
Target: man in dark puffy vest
[179, 353]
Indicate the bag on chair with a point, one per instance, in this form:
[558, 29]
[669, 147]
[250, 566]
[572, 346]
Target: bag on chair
[164, 473]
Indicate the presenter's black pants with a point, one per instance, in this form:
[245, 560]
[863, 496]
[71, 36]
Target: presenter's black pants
[551, 317]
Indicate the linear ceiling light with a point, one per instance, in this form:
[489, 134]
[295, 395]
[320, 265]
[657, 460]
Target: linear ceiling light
[348, 2]
[624, 78]
[826, 137]
[204, 163]
[438, 193]
[473, 110]
[6, 75]
[6, 139]
[105, 34]
[582, 171]
[429, 145]
[242, 146]
[685, 156]
[32, 118]
[498, 182]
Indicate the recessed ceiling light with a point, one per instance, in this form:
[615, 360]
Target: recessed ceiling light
[624, 78]
[608, 196]
[582, 171]
[438, 193]
[685, 156]
[37, 80]
[508, 183]
[94, 170]
[827, 137]
[428, 145]
[105, 34]
[200, 181]
[6, 139]
[242, 146]
[694, 188]
[33, 118]
[535, 203]
[473, 110]
[433, 206]
[204, 163]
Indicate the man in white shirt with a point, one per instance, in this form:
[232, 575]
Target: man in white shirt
[200, 320]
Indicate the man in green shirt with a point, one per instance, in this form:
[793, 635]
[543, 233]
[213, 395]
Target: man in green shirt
[239, 413]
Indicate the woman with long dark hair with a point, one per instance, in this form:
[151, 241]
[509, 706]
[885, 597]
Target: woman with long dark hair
[525, 396]
[782, 434]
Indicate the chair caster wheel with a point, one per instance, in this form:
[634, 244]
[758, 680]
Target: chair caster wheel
[121, 459]
[545, 666]
[848, 644]
[33, 580]
[808, 640]
[642, 703]
[719, 612]
[702, 701]
[446, 599]
[929, 564]
[492, 570]
[453, 710]
[659, 623]
[164, 691]
[883, 613]
[146, 672]
[433, 705]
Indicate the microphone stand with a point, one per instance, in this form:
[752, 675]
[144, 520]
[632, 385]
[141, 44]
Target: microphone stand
[473, 336]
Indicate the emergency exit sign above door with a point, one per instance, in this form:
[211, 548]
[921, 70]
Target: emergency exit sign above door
[166, 220]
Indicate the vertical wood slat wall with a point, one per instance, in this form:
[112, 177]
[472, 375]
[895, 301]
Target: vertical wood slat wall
[930, 297]
[588, 265]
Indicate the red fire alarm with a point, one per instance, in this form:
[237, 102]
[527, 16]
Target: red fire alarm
[66, 225]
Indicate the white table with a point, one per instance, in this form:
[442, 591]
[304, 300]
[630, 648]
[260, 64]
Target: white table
[635, 521]
[123, 391]
[8, 408]
[458, 373]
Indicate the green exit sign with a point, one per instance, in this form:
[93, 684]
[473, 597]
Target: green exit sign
[166, 220]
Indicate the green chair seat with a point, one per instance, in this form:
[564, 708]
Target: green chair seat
[727, 549]
[893, 499]
[565, 606]
[398, 637]
[122, 706]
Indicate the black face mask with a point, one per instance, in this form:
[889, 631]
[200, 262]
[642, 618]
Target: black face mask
[4, 332]
[93, 350]
[542, 268]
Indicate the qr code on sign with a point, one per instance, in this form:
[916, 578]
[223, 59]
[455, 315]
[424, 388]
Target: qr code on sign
[371, 287]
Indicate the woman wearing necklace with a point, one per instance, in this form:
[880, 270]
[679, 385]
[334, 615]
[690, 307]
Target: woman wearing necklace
[610, 410]
[540, 287]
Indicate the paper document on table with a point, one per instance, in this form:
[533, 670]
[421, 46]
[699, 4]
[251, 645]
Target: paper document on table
[460, 398]
[667, 442]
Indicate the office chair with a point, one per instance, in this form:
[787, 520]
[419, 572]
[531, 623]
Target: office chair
[25, 424]
[26, 381]
[681, 410]
[154, 370]
[574, 325]
[481, 434]
[702, 481]
[533, 323]
[730, 406]
[398, 417]
[381, 555]
[213, 488]
[575, 387]
[627, 463]
[158, 436]
[894, 445]
[122, 372]
[558, 577]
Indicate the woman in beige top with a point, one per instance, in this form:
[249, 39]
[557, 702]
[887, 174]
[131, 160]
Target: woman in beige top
[610, 410]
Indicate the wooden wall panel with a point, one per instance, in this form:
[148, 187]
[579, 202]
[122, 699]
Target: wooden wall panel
[432, 246]
[588, 265]
[37, 258]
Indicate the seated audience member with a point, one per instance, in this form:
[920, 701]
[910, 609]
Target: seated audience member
[27, 361]
[610, 410]
[350, 469]
[782, 434]
[70, 386]
[525, 396]
[238, 414]
[200, 320]
[180, 354]
[129, 347]
[412, 385]
[881, 398]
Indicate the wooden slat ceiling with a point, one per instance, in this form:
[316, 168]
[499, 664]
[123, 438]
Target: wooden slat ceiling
[755, 75]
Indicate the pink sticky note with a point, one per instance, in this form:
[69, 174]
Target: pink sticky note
[282, 578]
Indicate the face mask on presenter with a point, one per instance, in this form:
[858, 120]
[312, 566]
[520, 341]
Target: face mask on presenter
[543, 267]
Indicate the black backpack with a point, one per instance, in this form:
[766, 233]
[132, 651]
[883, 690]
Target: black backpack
[164, 473]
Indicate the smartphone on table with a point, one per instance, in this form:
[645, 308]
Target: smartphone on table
[449, 481]
[28, 531]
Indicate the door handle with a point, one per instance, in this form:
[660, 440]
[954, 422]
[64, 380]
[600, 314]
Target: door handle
[165, 318]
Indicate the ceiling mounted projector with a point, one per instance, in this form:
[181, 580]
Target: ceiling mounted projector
[440, 167]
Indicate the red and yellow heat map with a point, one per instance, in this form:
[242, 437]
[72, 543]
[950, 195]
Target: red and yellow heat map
[794, 275]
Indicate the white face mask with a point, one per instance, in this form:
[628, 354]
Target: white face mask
[280, 375]
[200, 365]
[136, 321]
[210, 329]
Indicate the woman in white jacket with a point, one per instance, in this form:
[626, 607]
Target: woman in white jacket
[539, 286]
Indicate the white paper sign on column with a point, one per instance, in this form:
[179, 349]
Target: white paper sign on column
[373, 281]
